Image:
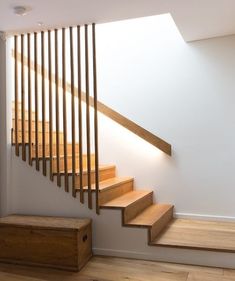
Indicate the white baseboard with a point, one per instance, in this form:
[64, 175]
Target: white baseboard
[204, 217]
[171, 255]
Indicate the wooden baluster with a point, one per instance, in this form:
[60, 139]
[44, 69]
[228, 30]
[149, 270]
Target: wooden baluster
[57, 107]
[29, 103]
[80, 116]
[44, 170]
[88, 119]
[36, 98]
[16, 96]
[50, 106]
[72, 114]
[64, 111]
[22, 101]
[95, 120]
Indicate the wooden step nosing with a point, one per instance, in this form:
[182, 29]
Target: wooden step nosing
[85, 172]
[150, 225]
[114, 185]
[129, 205]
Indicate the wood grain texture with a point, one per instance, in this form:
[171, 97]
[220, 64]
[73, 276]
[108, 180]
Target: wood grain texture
[150, 215]
[138, 206]
[114, 191]
[50, 106]
[23, 99]
[70, 162]
[113, 269]
[66, 180]
[63, 243]
[106, 172]
[45, 222]
[196, 234]
[117, 117]
[28, 123]
[15, 104]
[96, 141]
[39, 135]
[88, 131]
[54, 148]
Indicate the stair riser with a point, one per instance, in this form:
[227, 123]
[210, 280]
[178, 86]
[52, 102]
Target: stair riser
[137, 207]
[26, 124]
[115, 192]
[160, 224]
[103, 175]
[40, 136]
[69, 162]
[47, 150]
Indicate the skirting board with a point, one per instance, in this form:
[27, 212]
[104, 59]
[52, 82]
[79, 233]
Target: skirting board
[204, 217]
[172, 255]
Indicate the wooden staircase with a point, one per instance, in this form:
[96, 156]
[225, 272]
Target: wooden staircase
[137, 206]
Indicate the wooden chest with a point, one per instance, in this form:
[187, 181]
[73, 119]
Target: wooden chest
[63, 243]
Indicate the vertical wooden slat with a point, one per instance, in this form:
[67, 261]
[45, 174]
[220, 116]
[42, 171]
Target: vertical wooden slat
[36, 97]
[57, 110]
[88, 119]
[43, 107]
[50, 105]
[29, 103]
[80, 130]
[95, 120]
[16, 96]
[72, 113]
[64, 111]
[22, 101]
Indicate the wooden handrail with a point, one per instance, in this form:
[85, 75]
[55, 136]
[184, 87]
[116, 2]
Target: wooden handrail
[112, 114]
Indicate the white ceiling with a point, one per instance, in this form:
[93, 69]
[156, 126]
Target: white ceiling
[196, 19]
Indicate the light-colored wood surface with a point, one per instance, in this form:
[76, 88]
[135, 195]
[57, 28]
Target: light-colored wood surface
[117, 269]
[126, 199]
[40, 137]
[105, 172]
[70, 161]
[113, 182]
[32, 125]
[137, 207]
[112, 114]
[47, 149]
[45, 222]
[160, 224]
[196, 234]
[63, 243]
[150, 215]
[115, 191]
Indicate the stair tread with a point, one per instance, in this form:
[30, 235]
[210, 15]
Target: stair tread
[126, 199]
[196, 234]
[101, 167]
[109, 183]
[150, 215]
[70, 155]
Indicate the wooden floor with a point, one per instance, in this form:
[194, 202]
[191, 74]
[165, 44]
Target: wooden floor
[116, 269]
[196, 234]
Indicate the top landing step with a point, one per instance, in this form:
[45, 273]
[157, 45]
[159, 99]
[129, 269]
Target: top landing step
[198, 235]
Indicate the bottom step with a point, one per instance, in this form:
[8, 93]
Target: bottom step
[196, 234]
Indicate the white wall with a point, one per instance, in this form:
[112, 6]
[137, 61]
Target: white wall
[182, 92]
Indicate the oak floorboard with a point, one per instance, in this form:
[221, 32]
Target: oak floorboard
[118, 269]
[196, 234]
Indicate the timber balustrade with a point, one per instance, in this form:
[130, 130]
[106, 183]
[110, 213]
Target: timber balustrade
[46, 114]
[45, 93]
